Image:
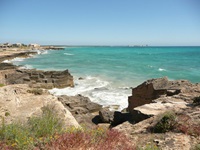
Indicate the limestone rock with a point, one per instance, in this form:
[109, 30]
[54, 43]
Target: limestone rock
[13, 54]
[106, 115]
[82, 109]
[114, 117]
[36, 78]
[19, 105]
[161, 87]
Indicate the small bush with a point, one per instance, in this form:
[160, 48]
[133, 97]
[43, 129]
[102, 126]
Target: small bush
[196, 100]
[166, 123]
[7, 114]
[46, 125]
[16, 135]
[27, 136]
[36, 91]
[150, 147]
[1, 85]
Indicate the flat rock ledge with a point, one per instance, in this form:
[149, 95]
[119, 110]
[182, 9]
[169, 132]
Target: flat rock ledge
[37, 78]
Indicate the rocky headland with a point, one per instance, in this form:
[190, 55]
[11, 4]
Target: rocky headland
[23, 93]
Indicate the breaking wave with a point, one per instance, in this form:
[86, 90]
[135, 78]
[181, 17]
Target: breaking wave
[98, 90]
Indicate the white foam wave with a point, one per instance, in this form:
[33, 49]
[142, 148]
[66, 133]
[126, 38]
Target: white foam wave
[6, 61]
[161, 69]
[69, 54]
[26, 67]
[17, 59]
[98, 91]
[40, 52]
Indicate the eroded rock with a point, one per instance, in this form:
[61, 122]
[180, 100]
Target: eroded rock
[153, 89]
[37, 78]
[82, 109]
[17, 104]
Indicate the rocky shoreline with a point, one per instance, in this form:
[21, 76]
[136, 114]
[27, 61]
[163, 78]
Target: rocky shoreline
[23, 93]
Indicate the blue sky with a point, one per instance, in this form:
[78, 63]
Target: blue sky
[101, 22]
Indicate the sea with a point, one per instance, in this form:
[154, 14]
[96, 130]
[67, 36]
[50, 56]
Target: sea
[107, 74]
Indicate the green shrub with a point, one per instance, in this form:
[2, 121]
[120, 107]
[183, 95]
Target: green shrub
[7, 114]
[150, 147]
[1, 85]
[35, 91]
[46, 125]
[196, 100]
[16, 135]
[166, 123]
[25, 136]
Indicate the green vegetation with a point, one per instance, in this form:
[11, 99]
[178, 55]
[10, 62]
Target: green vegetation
[35, 91]
[197, 147]
[1, 85]
[46, 125]
[7, 114]
[166, 123]
[196, 100]
[25, 136]
[150, 146]
[48, 132]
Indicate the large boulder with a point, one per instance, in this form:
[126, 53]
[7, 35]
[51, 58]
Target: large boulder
[114, 117]
[83, 109]
[17, 103]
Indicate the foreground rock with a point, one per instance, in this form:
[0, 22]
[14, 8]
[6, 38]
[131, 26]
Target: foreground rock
[37, 78]
[114, 117]
[18, 103]
[188, 117]
[152, 99]
[82, 109]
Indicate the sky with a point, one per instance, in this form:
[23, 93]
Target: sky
[101, 22]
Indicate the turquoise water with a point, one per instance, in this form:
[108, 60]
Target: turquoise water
[108, 72]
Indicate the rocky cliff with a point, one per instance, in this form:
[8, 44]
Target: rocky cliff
[153, 89]
[37, 78]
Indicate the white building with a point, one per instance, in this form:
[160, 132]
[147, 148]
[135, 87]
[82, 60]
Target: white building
[34, 45]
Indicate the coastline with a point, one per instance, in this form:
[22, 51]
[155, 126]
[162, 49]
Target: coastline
[148, 102]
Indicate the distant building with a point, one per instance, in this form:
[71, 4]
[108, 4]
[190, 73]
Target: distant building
[5, 45]
[17, 45]
[34, 45]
